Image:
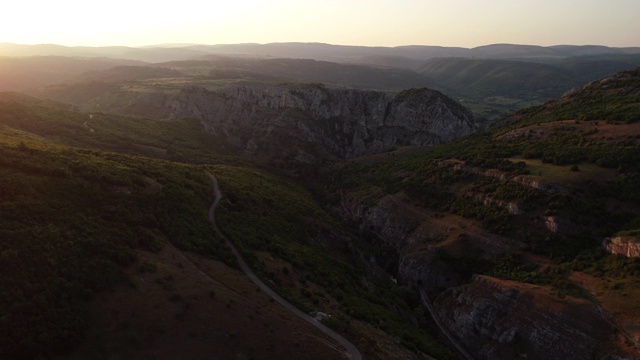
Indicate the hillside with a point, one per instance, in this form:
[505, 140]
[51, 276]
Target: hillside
[490, 78]
[180, 141]
[113, 255]
[72, 220]
[614, 99]
[19, 74]
[494, 88]
[520, 213]
[589, 68]
[330, 73]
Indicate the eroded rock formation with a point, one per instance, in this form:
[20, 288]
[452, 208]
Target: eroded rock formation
[623, 245]
[312, 124]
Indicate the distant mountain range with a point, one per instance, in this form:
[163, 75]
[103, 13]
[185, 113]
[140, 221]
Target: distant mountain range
[405, 56]
[492, 80]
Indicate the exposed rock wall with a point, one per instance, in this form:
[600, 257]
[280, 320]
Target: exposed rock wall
[312, 124]
[623, 245]
[499, 319]
[512, 207]
[493, 318]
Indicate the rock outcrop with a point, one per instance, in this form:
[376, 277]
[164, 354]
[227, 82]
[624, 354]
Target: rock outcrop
[623, 245]
[499, 319]
[310, 123]
[418, 235]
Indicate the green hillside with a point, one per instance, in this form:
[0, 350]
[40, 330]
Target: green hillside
[489, 77]
[20, 74]
[305, 70]
[71, 219]
[588, 68]
[178, 140]
[615, 99]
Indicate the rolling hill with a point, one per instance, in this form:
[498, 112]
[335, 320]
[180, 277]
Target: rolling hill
[19, 74]
[494, 87]
[479, 78]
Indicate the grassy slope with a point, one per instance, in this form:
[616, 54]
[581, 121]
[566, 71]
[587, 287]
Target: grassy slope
[494, 88]
[72, 218]
[179, 140]
[615, 99]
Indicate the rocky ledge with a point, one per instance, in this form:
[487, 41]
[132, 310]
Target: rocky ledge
[309, 123]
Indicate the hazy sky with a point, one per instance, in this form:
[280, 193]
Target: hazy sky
[465, 23]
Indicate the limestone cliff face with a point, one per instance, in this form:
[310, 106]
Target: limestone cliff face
[312, 124]
[499, 319]
[623, 245]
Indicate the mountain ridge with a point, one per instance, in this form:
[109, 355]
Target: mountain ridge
[318, 51]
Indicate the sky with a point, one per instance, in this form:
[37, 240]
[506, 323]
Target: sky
[464, 23]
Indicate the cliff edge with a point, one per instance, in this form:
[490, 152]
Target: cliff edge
[310, 123]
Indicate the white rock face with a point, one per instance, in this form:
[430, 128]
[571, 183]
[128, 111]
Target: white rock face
[290, 121]
[623, 245]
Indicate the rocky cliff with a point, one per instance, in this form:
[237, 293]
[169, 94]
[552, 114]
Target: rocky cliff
[499, 319]
[623, 245]
[492, 318]
[312, 124]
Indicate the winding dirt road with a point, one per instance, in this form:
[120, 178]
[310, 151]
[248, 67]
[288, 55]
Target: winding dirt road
[351, 350]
